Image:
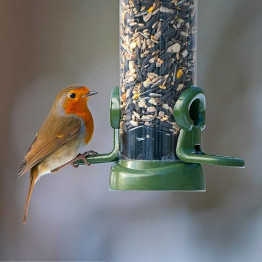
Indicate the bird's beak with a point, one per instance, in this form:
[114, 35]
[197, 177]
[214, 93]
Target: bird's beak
[91, 93]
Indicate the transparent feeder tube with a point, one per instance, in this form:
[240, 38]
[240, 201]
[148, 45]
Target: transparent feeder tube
[157, 63]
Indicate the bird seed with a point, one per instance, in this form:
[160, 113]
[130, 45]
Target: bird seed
[157, 63]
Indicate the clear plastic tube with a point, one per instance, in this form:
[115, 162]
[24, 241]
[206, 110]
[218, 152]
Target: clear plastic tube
[157, 63]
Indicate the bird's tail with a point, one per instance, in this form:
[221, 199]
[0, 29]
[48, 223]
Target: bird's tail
[33, 178]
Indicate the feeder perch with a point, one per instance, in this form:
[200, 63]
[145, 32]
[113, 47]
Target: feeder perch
[158, 112]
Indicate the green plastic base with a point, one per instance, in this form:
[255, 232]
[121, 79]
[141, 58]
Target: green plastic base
[157, 175]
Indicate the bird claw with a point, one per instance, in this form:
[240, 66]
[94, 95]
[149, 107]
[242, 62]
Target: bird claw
[83, 156]
[91, 153]
[74, 165]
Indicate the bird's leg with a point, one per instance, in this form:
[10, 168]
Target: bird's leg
[78, 157]
[83, 156]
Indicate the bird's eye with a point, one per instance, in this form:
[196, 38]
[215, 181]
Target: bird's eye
[72, 95]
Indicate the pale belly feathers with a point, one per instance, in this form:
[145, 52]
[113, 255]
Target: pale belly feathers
[62, 155]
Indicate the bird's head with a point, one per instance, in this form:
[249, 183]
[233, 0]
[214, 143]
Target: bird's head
[73, 99]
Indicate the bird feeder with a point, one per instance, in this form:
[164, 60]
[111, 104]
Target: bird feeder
[158, 112]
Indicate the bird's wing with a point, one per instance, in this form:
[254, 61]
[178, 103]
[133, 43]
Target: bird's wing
[53, 134]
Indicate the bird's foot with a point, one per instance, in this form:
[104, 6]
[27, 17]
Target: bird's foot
[82, 157]
[91, 153]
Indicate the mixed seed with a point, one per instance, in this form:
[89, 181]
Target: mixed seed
[157, 62]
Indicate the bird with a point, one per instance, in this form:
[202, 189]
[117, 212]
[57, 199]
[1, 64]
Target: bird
[68, 127]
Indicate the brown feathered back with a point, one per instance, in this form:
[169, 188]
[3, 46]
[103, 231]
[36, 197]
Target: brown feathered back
[59, 128]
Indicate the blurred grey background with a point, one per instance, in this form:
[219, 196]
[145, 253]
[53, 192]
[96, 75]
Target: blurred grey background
[46, 45]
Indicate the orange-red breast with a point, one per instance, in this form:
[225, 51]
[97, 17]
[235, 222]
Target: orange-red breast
[68, 127]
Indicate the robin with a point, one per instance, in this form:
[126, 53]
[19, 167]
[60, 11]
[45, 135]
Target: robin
[68, 127]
